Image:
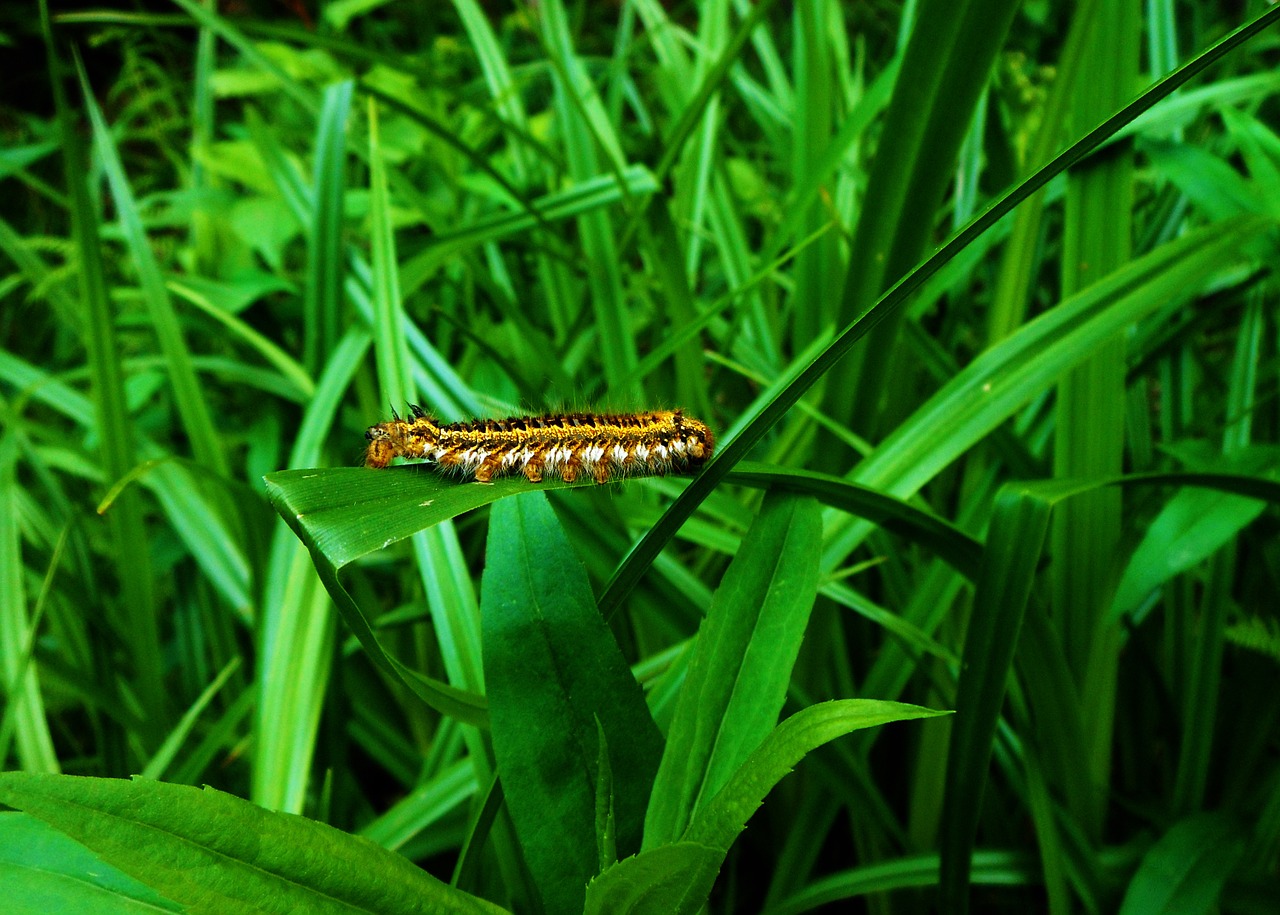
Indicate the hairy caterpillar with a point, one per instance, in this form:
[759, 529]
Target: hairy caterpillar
[564, 445]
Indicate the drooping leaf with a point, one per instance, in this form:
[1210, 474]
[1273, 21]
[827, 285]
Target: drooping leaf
[349, 512]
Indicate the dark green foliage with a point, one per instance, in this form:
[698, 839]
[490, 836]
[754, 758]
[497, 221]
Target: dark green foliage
[983, 302]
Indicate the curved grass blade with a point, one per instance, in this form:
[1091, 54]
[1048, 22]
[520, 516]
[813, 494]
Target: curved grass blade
[25, 703]
[946, 66]
[949, 542]
[998, 382]
[193, 409]
[109, 406]
[990, 868]
[648, 547]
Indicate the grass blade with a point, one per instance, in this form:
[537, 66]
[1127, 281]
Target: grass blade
[645, 551]
[323, 302]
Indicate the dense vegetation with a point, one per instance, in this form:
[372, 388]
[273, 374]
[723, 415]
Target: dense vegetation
[1034, 482]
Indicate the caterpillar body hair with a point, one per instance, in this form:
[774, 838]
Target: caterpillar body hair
[566, 446]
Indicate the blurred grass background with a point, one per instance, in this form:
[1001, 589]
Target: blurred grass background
[234, 235]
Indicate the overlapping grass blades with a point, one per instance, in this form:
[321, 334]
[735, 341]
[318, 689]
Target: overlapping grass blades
[276, 233]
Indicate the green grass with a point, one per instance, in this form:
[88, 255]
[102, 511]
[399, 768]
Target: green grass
[981, 310]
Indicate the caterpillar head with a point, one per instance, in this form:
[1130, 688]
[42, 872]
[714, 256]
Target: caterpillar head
[400, 438]
[697, 436]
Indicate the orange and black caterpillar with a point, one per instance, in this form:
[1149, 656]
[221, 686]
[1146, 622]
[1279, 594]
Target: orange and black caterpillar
[564, 445]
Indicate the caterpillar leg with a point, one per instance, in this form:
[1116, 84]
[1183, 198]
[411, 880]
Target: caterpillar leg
[490, 467]
[379, 453]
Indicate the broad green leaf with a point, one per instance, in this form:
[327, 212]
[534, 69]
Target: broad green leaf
[341, 514]
[676, 877]
[348, 512]
[741, 664]
[553, 672]
[1185, 870]
[43, 871]
[215, 853]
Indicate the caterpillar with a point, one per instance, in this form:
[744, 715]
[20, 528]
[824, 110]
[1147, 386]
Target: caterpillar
[563, 445]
